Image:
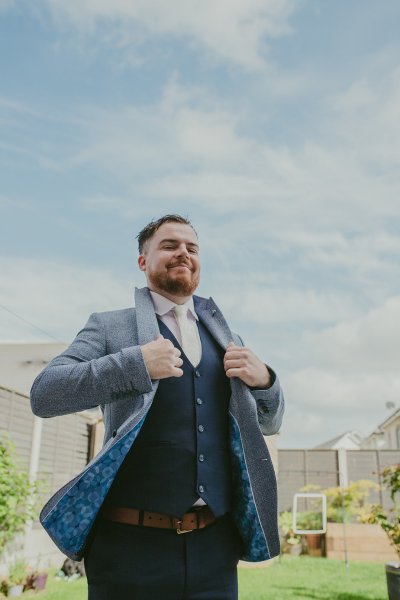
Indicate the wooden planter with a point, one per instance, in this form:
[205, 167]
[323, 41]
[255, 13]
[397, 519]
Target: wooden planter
[316, 544]
[364, 542]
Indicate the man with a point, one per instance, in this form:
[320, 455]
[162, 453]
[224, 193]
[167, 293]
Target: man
[184, 485]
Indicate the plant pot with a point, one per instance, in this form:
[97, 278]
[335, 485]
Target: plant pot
[393, 580]
[15, 591]
[39, 582]
[315, 544]
[295, 550]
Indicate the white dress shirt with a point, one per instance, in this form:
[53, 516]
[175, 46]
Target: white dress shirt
[164, 309]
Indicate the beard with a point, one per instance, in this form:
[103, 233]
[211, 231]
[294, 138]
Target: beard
[178, 285]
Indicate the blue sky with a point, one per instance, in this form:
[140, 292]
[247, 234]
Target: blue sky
[273, 124]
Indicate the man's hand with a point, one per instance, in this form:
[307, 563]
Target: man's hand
[162, 359]
[241, 362]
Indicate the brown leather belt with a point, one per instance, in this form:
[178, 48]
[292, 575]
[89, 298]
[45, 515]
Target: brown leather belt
[197, 518]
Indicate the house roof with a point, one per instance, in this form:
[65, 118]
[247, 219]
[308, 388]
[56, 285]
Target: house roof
[389, 419]
[348, 437]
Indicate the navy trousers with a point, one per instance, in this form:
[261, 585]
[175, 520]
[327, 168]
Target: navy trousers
[130, 562]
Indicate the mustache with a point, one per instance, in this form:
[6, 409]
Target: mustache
[179, 263]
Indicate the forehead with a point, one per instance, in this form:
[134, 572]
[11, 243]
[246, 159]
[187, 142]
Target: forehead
[179, 232]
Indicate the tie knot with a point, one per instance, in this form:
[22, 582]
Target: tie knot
[180, 311]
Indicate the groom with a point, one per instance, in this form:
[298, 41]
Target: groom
[184, 485]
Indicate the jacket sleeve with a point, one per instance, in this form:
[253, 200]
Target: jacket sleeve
[84, 375]
[270, 402]
[270, 406]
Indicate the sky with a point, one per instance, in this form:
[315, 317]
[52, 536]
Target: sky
[274, 125]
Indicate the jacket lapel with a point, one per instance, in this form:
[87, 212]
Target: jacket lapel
[210, 315]
[147, 328]
[147, 325]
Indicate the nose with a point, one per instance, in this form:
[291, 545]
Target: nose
[182, 251]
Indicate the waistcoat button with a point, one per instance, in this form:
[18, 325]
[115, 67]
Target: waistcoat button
[201, 457]
[201, 489]
[201, 428]
[199, 401]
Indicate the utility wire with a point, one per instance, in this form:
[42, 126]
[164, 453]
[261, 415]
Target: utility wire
[31, 324]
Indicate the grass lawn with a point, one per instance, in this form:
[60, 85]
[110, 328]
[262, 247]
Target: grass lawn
[294, 578]
[306, 578]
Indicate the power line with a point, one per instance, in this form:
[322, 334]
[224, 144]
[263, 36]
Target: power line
[31, 324]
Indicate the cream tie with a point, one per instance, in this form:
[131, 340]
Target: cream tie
[189, 340]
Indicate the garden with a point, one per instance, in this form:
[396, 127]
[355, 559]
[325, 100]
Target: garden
[295, 575]
[288, 578]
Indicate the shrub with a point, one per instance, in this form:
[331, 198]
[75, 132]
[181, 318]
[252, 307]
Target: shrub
[389, 520]
[17, 495]
[353, 499]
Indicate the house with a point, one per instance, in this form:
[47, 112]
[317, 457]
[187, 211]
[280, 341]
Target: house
[350, 440]
[386, 436]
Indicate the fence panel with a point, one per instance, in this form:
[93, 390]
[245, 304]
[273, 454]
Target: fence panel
[297, 468]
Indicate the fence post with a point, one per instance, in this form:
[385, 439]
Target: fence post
[342, 468]
[343, 483]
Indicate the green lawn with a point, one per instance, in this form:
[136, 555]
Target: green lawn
[302, 578]
[306, 578]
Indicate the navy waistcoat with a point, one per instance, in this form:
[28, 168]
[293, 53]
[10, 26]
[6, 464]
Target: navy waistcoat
[182, 450]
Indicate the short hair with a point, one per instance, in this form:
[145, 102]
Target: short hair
[149, 230]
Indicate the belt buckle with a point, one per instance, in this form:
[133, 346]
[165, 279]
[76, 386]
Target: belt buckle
[179, 530]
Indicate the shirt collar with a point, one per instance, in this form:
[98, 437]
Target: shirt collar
[163, 305]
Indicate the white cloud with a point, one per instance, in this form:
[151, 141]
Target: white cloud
[366, 121]
[264, 305]
[233, 30]
[366, 345]
[56, 297]
[349, 372]
[362, 253]
[188, 147]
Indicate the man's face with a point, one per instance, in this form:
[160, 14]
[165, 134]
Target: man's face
[171, 261]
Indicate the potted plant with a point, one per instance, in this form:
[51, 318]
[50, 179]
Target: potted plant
[390, 523]
[36, 578]
[312, 520]
[4, 587]
[17, 577]
[291, 541]
[36, 581]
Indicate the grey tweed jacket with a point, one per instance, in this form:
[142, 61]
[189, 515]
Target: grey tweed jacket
[104, 366]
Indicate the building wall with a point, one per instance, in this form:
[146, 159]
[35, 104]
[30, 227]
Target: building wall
[21, 362]
[392, 434]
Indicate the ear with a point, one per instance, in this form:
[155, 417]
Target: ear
[142, 262]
